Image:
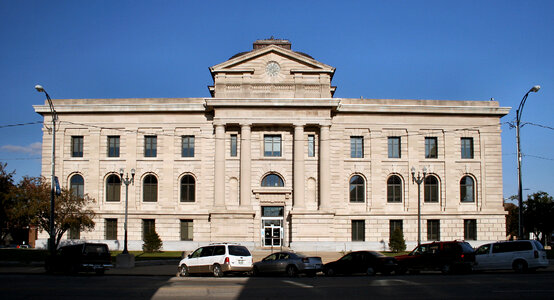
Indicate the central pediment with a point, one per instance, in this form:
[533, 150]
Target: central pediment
[271, 70]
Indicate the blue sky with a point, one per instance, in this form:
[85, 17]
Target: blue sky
[454, 50]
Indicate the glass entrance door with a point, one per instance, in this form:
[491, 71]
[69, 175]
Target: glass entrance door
[272, 226]
[273, 232]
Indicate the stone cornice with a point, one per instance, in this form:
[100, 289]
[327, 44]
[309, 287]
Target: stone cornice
[272, 103]
[422, 109]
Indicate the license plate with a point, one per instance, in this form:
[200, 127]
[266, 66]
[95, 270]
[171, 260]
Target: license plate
[241, 262]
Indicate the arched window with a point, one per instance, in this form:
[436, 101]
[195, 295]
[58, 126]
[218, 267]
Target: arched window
[77, 185]
[394, 189]
[467, 189]
[357, 189]
[272, 180]
[431, 189]
[113, 188]
[187, 188]
[150, 188]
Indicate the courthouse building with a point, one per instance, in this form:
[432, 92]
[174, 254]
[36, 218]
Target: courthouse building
[273, 159]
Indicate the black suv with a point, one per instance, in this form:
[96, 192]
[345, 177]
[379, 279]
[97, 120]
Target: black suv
[87, 257]
[446, 257]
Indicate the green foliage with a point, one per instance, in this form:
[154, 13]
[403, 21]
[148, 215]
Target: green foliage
[6, 202]
[32, 204]
[152, 242]
[397, 242]
[537, 215]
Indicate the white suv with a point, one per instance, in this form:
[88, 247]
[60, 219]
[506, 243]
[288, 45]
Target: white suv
[218, 259]
[519, 255]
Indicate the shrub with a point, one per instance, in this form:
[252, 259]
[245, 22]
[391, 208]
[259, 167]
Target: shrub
[397, 242]
[152, 242]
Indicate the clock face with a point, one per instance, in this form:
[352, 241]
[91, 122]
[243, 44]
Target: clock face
[272, 68]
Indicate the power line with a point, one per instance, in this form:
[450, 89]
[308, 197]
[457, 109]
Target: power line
[21, 124]
[539, 125]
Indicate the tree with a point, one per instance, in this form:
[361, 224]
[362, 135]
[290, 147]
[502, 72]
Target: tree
[71, 211]
[397, 242]
[6, 202]
[538, 212]
[152, 242]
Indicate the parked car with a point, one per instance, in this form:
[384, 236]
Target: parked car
[519, 255]
[85, 257]
[289, 263]
[438, 256]
[366, 262]
[217, 259]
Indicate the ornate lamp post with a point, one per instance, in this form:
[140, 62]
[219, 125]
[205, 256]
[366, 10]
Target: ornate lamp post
[51, 241]
[519, 111]
[419, 179]
[126, 181]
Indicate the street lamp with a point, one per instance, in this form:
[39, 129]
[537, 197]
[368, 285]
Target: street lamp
[51, 241]
[126, 181]
[519, 111]
[419, 179]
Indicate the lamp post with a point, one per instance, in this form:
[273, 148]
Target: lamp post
[51, 241]
[519, 111]
[126, 181]
[419, 179]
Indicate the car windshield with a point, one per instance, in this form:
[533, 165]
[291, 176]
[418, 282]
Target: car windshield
[538, 245]
[347, 257]
[467, 247]
[376, 254]
[239, 251]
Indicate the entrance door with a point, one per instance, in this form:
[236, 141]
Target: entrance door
[272, 226]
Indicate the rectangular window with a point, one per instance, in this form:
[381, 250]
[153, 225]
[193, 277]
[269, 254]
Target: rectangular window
[394, 147]
[470, 230]
[311, 145]
[187, 148]
[433, 230]
[358, 230]
[233, 145]
[431, 147]
[272, 145]
[111, 229]
[467, 147]
[113, 146]
[150, 146]
[148, 226]
[76, 146]
[74, 233]
[356, 146]
[186, 230]
[395, 225]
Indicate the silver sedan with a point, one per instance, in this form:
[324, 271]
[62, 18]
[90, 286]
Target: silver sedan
[289, 263]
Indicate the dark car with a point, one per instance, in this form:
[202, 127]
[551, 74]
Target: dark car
[288, 263]
[446, 257]
[366, 262]
[87, 257]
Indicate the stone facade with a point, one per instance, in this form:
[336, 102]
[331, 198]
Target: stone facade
[273, 116]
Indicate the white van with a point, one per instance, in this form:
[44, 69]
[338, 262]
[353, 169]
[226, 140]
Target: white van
[217, 259]
[519, 255]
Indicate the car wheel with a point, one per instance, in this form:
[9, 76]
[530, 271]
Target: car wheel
[255, 271]
[519, 266]
[292, 271]
[183, 271]
[446, 269]
[216, 269]
[370, 271]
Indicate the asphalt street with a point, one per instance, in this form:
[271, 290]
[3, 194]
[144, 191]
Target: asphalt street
[34, 284]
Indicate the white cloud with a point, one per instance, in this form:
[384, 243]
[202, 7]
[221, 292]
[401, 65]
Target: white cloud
[33, 149]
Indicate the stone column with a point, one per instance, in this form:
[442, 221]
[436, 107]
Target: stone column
[324, 168]
[245, 165]
[298, 167]
[219, 170]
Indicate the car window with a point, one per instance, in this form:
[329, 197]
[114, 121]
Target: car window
[239, 251]
[197, 253]
[208, 251]
[284, 256]
[376, 254]
[538, 245]
[219, 250]
[434, 249]
[95, 249]
[270, 257]
[347, 257]
[485, 249]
